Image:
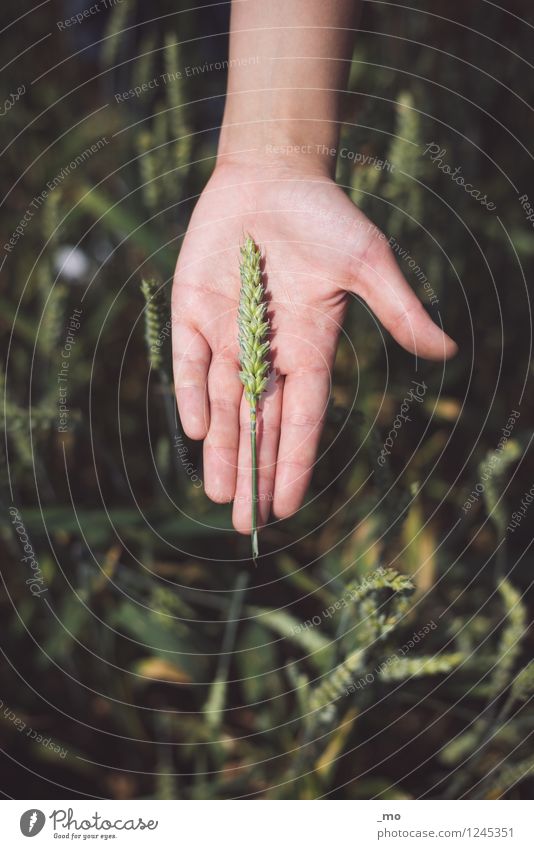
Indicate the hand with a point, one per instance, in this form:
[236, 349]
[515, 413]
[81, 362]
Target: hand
[318, 249]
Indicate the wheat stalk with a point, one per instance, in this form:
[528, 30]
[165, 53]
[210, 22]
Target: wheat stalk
[253, 354]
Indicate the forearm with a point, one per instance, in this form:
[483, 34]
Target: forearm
[288, 63]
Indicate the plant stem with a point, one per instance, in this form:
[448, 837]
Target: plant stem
[255, 551]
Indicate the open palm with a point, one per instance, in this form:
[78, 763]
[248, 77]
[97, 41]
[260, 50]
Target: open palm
[318, 248]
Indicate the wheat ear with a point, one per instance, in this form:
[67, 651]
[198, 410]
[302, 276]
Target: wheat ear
[253, 354]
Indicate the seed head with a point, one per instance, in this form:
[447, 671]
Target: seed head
[253, 326]
[156, 314]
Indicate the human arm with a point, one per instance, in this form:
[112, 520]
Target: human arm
[273, 179]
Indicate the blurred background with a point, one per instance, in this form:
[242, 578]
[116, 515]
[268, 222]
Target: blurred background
[382, 648]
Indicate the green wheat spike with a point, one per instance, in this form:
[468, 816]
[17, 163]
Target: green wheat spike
[51, 217]
[523, 686]
[115, 33]
[401, 186]
[382, 579]
[183, 152]
[380, 623]
[149, 169]
[178, 130]
[148, 158]
[160, 146]
[254, 349]
[364, 185]
[336, 683]
[52, 322]
[16, 418]
[511, 638]
[144, 66]
[401, 668]
[499, 462]
[174, 90]
[383, 599]
[156, 321]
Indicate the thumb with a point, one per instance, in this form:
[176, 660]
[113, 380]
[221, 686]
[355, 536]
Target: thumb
[378, 280]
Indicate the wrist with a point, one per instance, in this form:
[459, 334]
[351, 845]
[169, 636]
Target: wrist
[296, 126]
[269, 142]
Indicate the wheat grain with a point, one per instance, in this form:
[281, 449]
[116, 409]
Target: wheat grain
[254, 348]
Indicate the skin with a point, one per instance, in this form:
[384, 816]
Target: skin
[273, 179]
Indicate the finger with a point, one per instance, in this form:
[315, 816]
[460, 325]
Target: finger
[382, 285]
[191, 359]
[304, 405]
[267, 438]
[221, 443]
